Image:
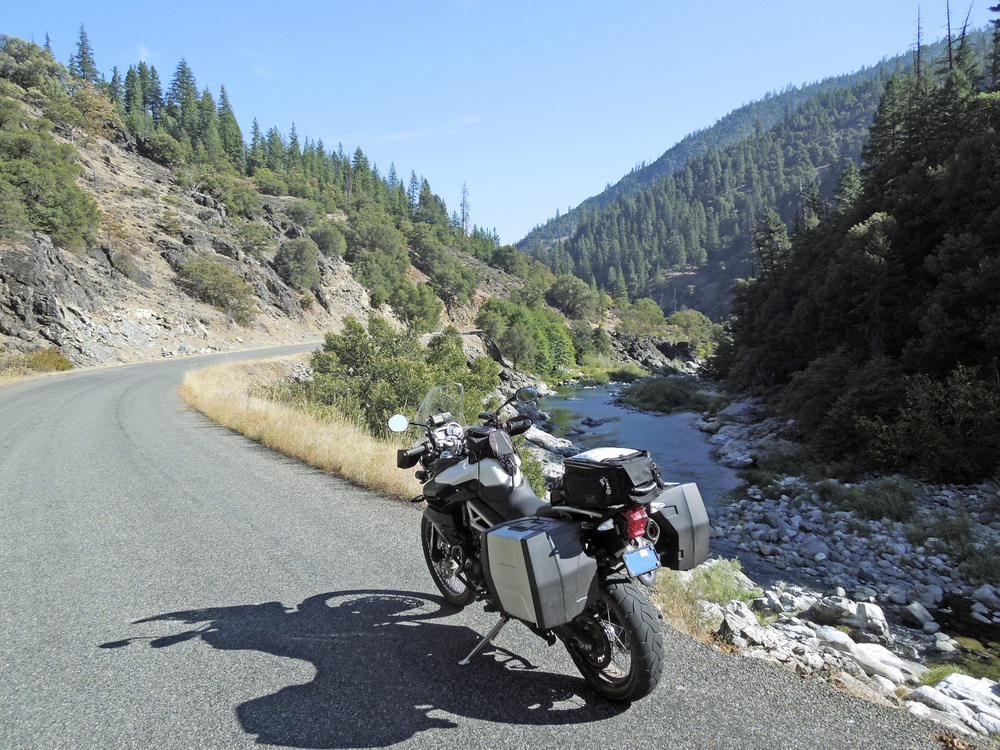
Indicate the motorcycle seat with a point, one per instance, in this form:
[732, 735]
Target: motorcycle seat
[521, 502]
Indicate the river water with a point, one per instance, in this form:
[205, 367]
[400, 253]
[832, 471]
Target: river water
[679, 449]
[682, 452]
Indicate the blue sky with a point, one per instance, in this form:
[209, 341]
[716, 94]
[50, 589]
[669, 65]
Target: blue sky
[534, 105]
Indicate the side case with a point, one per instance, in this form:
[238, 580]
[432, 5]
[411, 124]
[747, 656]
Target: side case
[537, 570]
[684, 532]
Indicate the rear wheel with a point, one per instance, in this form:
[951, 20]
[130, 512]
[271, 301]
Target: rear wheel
[443, 566]
[618, 647]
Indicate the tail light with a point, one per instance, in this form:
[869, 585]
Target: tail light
[635, 522]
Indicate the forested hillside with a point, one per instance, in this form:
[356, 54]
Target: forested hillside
[275, 234]
[737, 125]
[882, 319]
[699, 220]
[380, 223]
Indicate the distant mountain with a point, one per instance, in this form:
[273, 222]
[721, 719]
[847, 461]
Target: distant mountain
[736, 126]
[681, 231]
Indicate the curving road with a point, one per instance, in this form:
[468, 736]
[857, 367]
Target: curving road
[166, 583]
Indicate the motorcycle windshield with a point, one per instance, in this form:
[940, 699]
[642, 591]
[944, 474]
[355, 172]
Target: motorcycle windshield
[443, 398]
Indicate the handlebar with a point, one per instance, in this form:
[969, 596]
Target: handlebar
[406, 458]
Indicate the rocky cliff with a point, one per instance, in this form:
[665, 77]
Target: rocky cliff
[120, 300]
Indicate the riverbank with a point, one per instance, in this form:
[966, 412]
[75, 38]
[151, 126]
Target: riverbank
[875, 605]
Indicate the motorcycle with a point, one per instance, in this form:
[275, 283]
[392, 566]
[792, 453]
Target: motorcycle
[567, 569]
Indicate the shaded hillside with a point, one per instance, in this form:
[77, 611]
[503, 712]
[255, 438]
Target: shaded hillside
[882, 319]
[732, 128]
[686, 237]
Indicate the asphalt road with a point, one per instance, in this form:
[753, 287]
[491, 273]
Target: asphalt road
[167, 583]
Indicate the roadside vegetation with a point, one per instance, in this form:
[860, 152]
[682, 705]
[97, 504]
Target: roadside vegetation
[239, 396]
[338, 421]
[15, 364]
[682, 596]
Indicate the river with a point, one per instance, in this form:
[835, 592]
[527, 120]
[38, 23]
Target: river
[682, 452]
[679, 449]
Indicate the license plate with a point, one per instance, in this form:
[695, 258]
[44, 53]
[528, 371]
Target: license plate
[642, 561]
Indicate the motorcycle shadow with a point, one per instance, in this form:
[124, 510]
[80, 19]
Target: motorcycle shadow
[385, 671]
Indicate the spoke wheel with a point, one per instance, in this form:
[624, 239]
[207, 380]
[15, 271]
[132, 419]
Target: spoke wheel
[443, 566]
[620, 652]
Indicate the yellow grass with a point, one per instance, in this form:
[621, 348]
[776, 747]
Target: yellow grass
[338, 446]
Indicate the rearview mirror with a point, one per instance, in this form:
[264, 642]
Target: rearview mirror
[527, 395]
[398, 423]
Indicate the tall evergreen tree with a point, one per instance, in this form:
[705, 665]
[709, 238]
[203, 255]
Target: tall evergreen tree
[81, 65]
[182, 104]
[209, 142]
[115, 89]
[771, 245]
[257, 156]
[994, 53]
[229, 132]
[274, 150]
[152, 93]
[134, 103]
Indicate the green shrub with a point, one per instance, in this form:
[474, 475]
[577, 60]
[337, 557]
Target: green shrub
[328, 239]
[48, 360]
[38, 187]
[890, 497]
[235, 193]
[214, 282]
[295, 262]
[375, 372]
[18, 364]
[163, 148]
[627, 372]
[269, 183]
[169, 222]
[302, 212]
[983, 564]
[256, 239]
[721, 583]
[953, 426]
[697, 329]
[417, 306]
[670, 394]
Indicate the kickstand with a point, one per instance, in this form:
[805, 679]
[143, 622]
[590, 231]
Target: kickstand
[486, 639]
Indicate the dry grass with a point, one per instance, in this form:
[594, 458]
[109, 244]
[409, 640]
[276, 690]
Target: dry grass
[336, 445]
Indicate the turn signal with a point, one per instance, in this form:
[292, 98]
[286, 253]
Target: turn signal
[635, 522]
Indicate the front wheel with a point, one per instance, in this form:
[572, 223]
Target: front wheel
[617, 644]
[443, 566]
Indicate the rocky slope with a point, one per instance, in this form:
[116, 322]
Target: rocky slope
[120, 302]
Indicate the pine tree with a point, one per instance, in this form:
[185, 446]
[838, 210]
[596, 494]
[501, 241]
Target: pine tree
[81, 65]
[293, 152]
[413, 191]
[182, 104]
[275, 150]
[208, 128]
[771, 245]
[153, 96]
[230, 133]
[135, 107]
[115, 90]
[257, 157]
[994, 54]
[465, 211]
